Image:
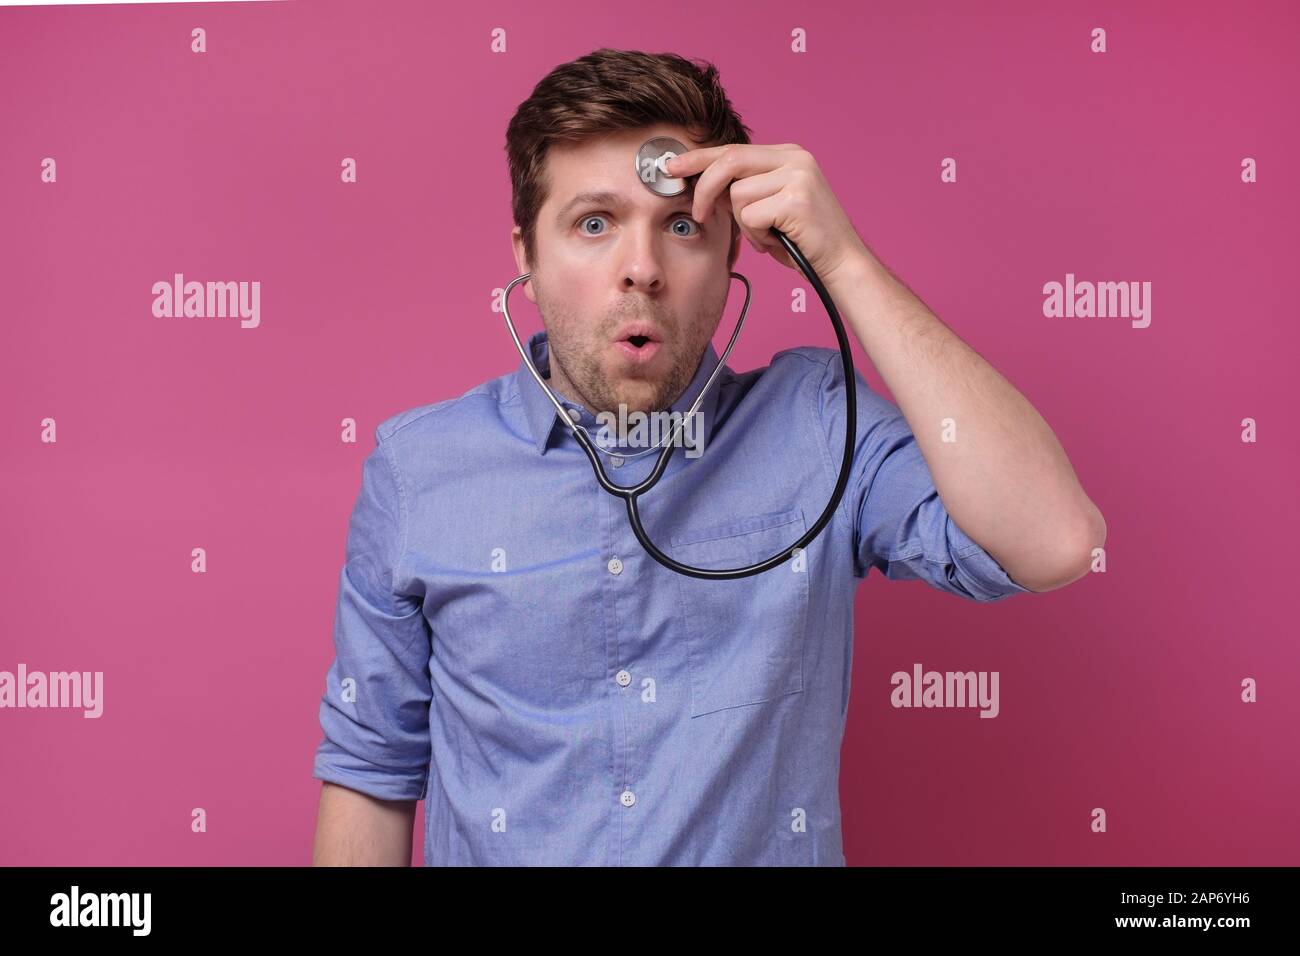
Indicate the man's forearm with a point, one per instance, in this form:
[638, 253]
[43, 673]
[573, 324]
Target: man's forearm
[354, 829]
[1002, 474]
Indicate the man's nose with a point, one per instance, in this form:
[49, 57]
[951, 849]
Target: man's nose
[642, 264]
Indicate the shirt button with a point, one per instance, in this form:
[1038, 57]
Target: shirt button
[575, 414]
[623, 678]
[616, 461]
[628, 798]
[615, 566]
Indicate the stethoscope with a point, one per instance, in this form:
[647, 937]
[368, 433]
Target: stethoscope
[650, 166]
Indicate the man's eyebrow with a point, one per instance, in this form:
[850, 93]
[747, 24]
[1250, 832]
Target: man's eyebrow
[606, 198]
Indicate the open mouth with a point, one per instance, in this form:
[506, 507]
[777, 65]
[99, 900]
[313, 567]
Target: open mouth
[637, 349]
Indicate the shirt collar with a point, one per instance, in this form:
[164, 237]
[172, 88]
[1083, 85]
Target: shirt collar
[543, 419]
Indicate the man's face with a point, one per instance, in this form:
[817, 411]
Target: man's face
[631, 261]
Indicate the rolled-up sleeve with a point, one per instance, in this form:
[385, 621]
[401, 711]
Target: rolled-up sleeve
[901, 526]
[375, 710]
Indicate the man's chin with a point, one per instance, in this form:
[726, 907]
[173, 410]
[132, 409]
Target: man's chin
[640, 396]
[641, 386]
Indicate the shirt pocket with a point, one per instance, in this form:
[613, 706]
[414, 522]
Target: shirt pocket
[745, 636]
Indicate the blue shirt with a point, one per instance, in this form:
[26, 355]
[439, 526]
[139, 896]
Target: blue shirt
[507, 652]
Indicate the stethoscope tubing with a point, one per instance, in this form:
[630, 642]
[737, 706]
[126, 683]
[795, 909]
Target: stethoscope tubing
[630, 493]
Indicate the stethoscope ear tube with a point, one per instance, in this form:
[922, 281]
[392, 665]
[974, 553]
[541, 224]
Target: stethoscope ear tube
[630, 494]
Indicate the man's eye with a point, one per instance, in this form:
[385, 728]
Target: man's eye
[692, 226]
[690, 222]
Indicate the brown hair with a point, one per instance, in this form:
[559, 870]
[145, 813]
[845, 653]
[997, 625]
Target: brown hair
[607, 91]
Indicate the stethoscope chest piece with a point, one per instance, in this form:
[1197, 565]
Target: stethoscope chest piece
[650, 160]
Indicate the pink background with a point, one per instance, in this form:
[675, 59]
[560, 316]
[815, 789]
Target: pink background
[1121, 691]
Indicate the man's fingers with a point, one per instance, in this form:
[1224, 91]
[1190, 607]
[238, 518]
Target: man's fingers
[721, 165]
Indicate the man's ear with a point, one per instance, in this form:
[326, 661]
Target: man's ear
[521, 260]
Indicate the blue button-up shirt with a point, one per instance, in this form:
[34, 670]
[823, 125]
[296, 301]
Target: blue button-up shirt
[507, 652]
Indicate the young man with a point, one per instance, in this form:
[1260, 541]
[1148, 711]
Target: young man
[507, 651]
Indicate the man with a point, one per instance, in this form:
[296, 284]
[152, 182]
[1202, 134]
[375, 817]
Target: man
[507, 652]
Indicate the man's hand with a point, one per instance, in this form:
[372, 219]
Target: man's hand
[779, 186]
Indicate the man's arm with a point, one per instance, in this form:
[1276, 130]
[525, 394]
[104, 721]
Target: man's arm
[355, 829]
[1005, 480]
[374, 758]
